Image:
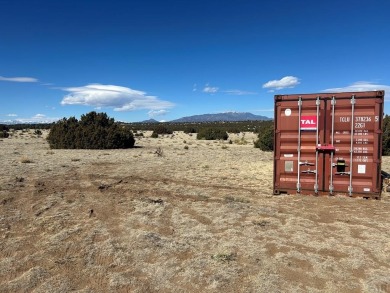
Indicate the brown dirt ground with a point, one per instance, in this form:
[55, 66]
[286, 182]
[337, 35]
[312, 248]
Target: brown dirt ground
[201, 219]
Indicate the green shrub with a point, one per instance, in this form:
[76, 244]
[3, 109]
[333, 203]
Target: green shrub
[38, 132]
[154, 135]
[212, 134]
[138, 134]
[190, 130]
[386, 136]
[161, 129]
[4, 128]
[93, 131]
[4, 134]
[265, 140]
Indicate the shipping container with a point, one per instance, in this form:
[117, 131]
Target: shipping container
[329, 144]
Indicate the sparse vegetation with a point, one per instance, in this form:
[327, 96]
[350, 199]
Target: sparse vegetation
[128, 221]
[159, 152]
[230, 198]
[224, 257]
[241, 141]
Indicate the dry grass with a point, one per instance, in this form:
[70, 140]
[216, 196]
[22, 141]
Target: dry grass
[205, 221]
[25, 160]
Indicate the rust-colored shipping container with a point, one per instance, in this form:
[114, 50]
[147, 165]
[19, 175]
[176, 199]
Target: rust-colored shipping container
[329, 143]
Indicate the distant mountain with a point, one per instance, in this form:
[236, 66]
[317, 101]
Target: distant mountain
[149, 121]
[227, 116]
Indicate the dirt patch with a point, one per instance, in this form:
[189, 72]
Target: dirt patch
[201, 219]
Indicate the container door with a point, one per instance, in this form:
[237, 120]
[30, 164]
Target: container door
[299, 130]
[355, 133]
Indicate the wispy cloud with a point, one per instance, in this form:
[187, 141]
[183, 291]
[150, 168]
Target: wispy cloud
[12, 115]
[155, 113]
[112, 96]
[210, 89]
[285, 82]
[213, 89]
[18, 79]
[239, 92]
[38, 118]
[360, 86]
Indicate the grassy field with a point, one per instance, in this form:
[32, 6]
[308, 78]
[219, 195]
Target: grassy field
[178, 215]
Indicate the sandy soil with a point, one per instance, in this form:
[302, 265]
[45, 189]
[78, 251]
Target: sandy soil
[201, 219]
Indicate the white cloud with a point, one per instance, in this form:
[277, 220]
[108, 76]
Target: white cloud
[12, 115]
[239, 92]
[285, 82]
[210, 89]
[155, 113]
[39, 116]
[18, 79]
[360, 86]
[113, 96]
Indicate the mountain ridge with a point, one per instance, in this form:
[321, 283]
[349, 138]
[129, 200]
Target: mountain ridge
[225, 116]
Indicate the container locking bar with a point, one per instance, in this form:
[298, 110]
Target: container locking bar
[299, 144]
[331, 187]
[317, 143]
[350, 188]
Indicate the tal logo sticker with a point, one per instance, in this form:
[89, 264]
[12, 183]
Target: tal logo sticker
[308, 122]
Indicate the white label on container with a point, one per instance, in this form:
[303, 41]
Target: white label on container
[361, 169]
[366, 189]
[288, 155]
[289, 166]
[287, 112]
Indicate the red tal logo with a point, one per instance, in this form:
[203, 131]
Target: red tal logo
[308, 122]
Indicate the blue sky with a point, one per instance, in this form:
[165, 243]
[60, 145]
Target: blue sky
[137, 60]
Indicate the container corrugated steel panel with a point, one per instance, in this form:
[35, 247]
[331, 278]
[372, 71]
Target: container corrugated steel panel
[329, 143]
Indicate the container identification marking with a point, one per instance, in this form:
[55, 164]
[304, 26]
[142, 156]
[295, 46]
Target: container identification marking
[308, 123]
[361, 169]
